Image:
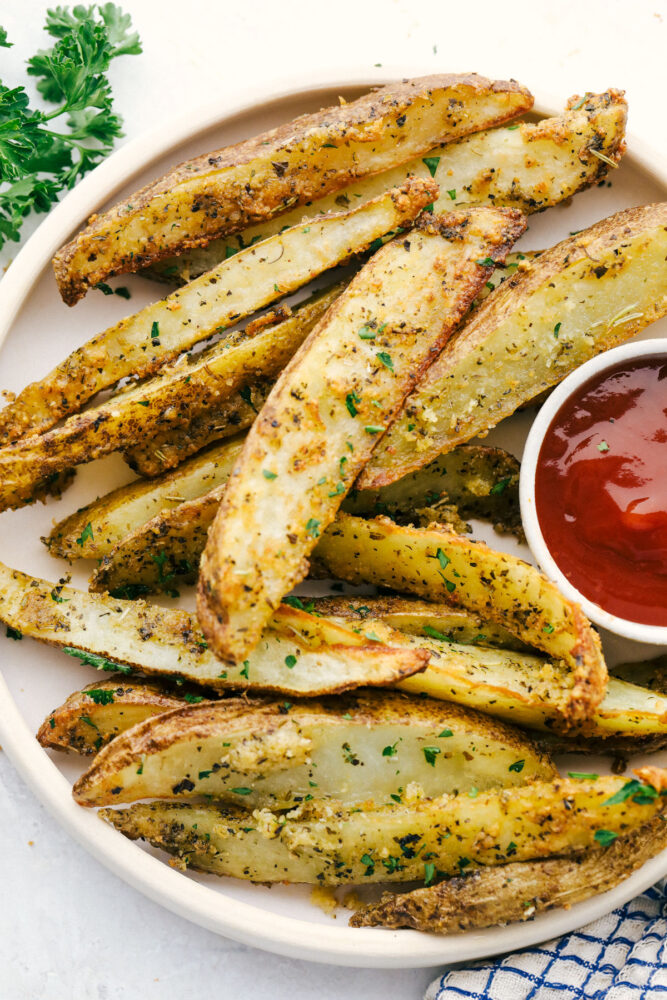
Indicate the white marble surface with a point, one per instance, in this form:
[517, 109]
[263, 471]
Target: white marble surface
[69, 930]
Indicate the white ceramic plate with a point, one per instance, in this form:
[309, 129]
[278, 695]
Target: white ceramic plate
[38, 330]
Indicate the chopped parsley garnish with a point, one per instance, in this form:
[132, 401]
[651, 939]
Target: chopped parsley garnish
[193, 699]
[605, 837]
[640, 793]
[430, 753]
[367, 860]
[386, 360]
[445, 733]
[313, 528]
[557, 329]
[268, 474]
[583, 775]
[548, 629]
[486, 262]
[434, 634]
[452, 194]
[500, 486]
[442, 559]
[241, 791]
[155, 330]
[517, 766]
[390, 751]
[366, 333]
[603, 446]
[290, 661]
[244, 672]
[100, 696]
[350, 400]
[13, 633]
[374, 428]
[93, 660]
[432, 163]
[86, 534]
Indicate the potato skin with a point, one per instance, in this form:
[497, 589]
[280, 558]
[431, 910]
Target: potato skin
[329, 407]
[518, 891]
[494, 585]
[324, 843]
[526, 338]
[223, 191]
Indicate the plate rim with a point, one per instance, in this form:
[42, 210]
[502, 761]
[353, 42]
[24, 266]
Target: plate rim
[244, 922]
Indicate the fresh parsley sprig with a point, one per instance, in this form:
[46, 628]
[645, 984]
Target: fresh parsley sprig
[38, 159]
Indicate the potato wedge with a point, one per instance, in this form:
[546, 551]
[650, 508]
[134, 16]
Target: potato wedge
[92, 717]
[518, 891]
[425, 619]
[588, 293]
[108, 633]
[216, 377]
[92, 531]
[224, 191]
[649, 673]
[329, 407]
[166, 450]
[357, 748]
[437, 564]
[480, 481]
[418, 839]
[140, 344]
[529, 167]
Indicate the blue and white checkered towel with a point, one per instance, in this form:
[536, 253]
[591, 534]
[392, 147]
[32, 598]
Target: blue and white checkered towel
[623, 956]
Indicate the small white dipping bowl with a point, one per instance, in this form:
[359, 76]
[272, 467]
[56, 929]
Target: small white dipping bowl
[656, 634]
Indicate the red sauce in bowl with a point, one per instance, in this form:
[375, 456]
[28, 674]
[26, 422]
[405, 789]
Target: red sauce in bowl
[601, 490]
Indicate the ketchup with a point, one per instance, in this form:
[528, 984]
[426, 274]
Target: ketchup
[601, 490]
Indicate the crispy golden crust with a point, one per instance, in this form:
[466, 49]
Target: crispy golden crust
[92, 717]
[529, 167]
[324, 843]
[432, 562]
[211, 379]
[349, 748]
[328, 657]
[256, 277]
[525, 338]
[515, 892]
[222, 192]
[331, 403]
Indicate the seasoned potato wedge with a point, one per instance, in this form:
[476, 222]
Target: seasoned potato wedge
[425, 619]
[529, 167]
[94, 530]
[588, 293]
[140, 344]
[422, 838]
[92, 717]
[224, 191]
[328, 408]
[518, 891]
[108, 633]
[358, 748]
[437, 564]
[216, 377]
[535, 692]
[135, 521]
[478, 481]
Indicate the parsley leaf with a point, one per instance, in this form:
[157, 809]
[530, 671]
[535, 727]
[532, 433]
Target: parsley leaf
[39, 156]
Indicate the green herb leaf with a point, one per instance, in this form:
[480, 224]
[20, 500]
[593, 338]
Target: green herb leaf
[429, 872]
[268, 474]
[500, 486]
[434, 634]
[557, 329]
[100, 696]
[155, 330]
[193, 699]
[583, 775]
[241, 791]
[605, 837]
[366, 333]
[486, 262]
[13, 633]
[374, 428]
[517, 766]
[350, 400]
[313, 528]
[603, 446]
[367, 860]
[290, 661]
[86, 534]
[452, 194]
[430, 753]
[432, 163]
[386, 360]
[94, 660]
[390, 751]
